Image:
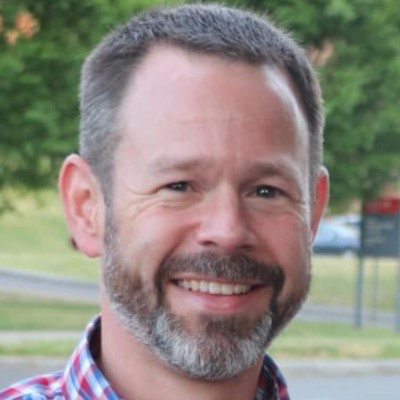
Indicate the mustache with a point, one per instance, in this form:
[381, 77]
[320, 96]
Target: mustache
[229, 267]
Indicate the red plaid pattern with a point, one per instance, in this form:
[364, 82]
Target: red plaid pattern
[83, 380]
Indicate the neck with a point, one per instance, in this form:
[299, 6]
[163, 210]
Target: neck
[136, 373]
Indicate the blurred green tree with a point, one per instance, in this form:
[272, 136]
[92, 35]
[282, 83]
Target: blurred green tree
[42, 46]
[354, 44]
[356, 47]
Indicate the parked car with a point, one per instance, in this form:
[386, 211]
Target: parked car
[349, 220]
[333, 238]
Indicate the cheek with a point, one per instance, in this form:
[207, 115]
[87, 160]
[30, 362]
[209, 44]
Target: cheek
[150, 238]
[287, 241]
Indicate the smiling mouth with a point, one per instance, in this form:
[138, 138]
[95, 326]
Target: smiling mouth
[211, 287]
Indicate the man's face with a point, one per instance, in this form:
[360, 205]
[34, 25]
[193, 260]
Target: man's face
[207, 248]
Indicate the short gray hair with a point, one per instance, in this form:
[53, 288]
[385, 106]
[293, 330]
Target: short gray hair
[206, 29]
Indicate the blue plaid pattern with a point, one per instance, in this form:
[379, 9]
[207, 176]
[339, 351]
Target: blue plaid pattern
[83, 380]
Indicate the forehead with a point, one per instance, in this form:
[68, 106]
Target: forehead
[175, 87]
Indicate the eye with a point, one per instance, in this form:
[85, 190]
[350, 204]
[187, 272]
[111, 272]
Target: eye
[268, 192]
[179, 186]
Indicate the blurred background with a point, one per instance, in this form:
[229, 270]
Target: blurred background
[48, 290]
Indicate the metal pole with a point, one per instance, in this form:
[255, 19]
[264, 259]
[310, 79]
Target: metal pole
[358, 315]
[375, 291]
[398, 298]
[397, 326]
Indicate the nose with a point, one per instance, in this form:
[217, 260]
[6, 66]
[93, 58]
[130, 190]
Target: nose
[224, 226]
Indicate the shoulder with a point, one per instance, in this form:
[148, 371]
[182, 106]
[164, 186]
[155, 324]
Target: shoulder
[44, 387]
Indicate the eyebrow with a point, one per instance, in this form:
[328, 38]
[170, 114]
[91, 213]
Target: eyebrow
[273, 168]
[281, 169]
[257, 170]
[167, 165]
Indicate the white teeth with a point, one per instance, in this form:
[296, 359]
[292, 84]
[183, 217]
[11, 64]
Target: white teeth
[238, 289]
[203, 286]
[195, 285]
[227, 289]
[214, 287]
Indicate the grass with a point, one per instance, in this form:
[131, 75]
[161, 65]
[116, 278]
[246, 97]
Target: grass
[334, 282]
[335, 341]
[21, 313]
[32, 314]
[300, 341]
[35, 239]
[62, 348]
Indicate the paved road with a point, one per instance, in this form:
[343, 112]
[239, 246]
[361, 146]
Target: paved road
[48, 287]
[323, 313]
[353, 387]
[14, 369]
[8, 337]
[75, 290]
[308, 380]
[343, 379]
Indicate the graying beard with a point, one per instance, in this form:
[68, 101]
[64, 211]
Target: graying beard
[199, 356]
[211, 355]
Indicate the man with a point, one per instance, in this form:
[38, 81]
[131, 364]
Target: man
[199, 185]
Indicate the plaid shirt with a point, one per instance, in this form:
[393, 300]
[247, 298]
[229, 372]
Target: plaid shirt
[83, 380]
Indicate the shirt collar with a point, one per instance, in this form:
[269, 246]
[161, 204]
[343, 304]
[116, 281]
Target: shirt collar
[271, 384]
[84, 380]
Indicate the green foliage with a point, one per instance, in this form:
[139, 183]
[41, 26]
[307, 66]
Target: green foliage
[354, 44]
[361, 84]
[37, 106]
[39, 82]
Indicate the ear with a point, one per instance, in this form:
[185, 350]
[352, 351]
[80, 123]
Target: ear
[321, 196]
[83, 205]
